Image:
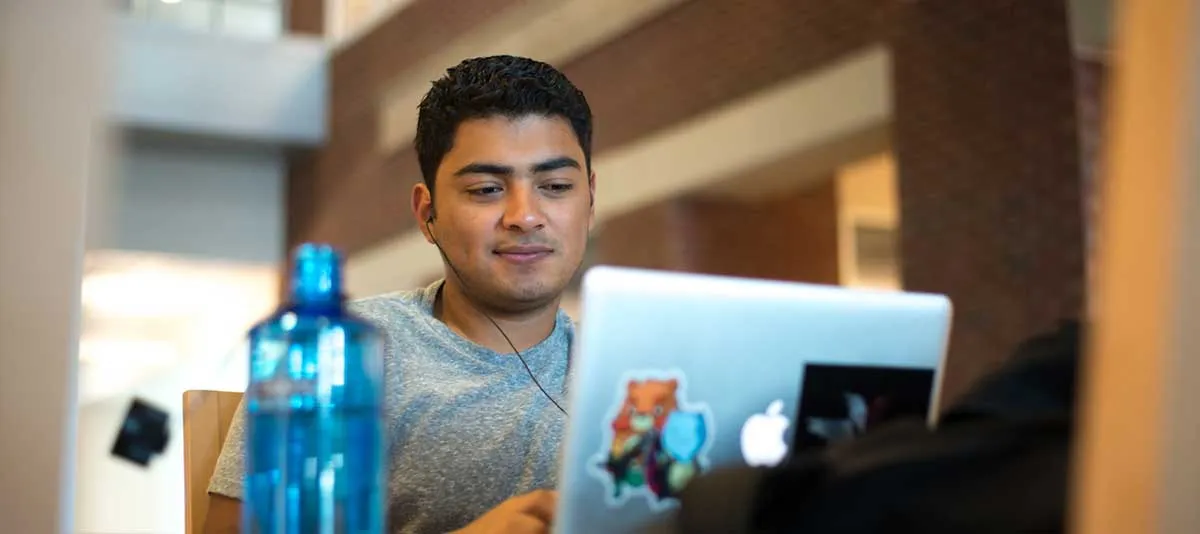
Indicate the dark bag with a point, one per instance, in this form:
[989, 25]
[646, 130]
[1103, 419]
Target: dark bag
[997, 462]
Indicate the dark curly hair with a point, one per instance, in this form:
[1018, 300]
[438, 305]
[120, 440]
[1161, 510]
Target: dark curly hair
[507, 86]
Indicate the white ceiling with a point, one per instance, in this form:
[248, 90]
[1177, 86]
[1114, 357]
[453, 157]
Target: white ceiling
[170, 79]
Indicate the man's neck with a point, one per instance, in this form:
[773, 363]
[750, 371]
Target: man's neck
[466, 318]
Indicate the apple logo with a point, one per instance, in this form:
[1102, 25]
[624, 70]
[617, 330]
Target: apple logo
[763, 442]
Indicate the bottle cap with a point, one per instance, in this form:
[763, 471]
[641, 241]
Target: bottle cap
[316, 274]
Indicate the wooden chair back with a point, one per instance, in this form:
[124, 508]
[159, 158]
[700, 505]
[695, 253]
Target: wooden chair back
[206, 419]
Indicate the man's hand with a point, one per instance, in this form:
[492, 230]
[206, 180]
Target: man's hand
[530, 513]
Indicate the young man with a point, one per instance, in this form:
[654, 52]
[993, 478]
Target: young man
[477, 362]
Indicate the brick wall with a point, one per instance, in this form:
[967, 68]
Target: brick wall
[988, 159]
[793, 236]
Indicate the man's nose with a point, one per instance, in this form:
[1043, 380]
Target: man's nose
[522, 211]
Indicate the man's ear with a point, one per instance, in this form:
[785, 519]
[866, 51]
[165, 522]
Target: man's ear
[422, 208]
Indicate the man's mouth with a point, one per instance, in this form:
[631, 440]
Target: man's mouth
[523, 253]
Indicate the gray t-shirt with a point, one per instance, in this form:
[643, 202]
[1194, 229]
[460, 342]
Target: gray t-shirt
[467, 427]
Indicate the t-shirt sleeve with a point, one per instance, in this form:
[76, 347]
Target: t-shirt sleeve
[228, 477]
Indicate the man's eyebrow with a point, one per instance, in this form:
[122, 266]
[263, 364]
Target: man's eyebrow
[494, 169]
[555, 164]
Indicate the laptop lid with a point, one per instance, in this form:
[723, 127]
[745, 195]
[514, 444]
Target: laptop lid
[677, 374]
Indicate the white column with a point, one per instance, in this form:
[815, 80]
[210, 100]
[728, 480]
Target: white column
[1138, 467]
[51, 97]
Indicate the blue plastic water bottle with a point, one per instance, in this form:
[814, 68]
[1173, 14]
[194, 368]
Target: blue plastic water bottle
[314, 408]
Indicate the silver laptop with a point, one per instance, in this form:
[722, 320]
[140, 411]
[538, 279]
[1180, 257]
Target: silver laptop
[674, 375]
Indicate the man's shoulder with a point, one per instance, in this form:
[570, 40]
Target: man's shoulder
[399, 310]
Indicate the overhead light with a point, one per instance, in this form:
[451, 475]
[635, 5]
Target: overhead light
[170, 1]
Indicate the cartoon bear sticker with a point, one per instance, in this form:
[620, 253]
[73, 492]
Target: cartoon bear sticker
[656, 441]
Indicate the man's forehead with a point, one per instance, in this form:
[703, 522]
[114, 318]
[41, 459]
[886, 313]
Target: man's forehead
[522, 143]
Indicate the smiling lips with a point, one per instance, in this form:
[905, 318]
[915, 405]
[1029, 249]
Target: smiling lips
[524, 254]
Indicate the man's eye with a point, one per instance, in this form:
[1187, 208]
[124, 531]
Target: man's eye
[560, 188]
[485, 191]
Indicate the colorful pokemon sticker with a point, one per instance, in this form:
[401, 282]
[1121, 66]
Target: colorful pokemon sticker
[654, 441]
